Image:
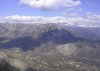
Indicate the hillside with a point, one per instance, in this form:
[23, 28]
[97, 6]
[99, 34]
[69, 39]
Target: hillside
[50, 47]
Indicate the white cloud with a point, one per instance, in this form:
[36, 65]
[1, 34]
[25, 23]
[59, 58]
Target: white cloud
[89, 20]
[50, 4]
[92, 16]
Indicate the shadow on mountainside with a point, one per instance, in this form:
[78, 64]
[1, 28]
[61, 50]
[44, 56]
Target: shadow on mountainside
[56, 36]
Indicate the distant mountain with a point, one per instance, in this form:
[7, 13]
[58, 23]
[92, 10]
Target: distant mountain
[46, 32]
[51, 47]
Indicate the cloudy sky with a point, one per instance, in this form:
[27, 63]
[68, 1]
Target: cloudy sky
[50, 10]
[48, 7]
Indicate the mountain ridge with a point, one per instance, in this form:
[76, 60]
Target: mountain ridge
[50, 47]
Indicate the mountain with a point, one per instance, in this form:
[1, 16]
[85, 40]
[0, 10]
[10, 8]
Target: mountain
[50, 47]
[15, 35]
[29, 36]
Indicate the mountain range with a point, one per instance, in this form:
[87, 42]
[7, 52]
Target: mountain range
[50, 47]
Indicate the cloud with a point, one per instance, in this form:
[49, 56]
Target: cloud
[89, 20]
[50, 4]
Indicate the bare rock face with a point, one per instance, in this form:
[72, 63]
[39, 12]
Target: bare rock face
[11, 63]
[68, 49]
[3, 55]
[18, 64]
[6, 66]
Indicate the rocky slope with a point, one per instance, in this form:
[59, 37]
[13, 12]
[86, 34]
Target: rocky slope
[50, 47]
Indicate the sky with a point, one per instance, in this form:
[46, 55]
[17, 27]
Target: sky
[22, 7]
[45, 10]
